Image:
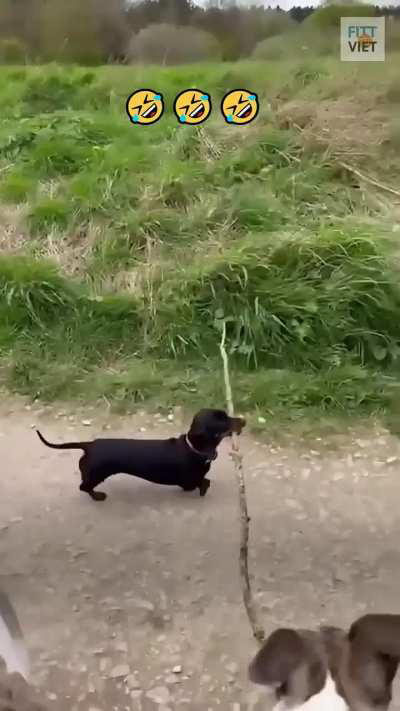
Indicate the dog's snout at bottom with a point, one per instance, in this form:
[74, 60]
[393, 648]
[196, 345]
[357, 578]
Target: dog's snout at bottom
[330, 668]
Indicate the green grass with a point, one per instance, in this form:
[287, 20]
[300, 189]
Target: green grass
[48, 214]
[17, 188]
[312, 301]
[162, 232]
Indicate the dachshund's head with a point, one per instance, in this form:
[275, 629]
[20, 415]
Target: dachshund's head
[209, 427]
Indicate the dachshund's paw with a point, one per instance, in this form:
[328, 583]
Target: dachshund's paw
[204, 487]
[97, 495]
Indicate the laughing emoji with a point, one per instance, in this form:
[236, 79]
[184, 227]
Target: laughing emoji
[240, 106]
[192, 106]
[145, 106]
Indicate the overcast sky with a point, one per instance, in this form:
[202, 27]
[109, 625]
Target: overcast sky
[287, 4]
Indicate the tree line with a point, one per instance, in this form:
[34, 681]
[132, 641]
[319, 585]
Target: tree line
[98, 31]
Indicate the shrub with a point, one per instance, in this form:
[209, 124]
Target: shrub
[275, 23]
[48, 214]
[301, 302]
[53, 156]
[54, 90]
[271, 48]
[32, 292]
[328, 17]
[301, 41]
[256, 24]
[239, 28]
[168, 44]
[16, 188]
[70, 32]
[34, 296]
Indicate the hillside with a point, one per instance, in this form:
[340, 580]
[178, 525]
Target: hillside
[123, 248]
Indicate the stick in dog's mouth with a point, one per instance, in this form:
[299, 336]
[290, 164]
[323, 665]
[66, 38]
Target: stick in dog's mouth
[238, 423]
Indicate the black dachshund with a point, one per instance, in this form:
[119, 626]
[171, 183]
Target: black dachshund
[178, 461]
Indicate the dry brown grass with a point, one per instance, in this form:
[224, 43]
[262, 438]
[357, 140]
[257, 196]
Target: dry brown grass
[13, 237]
[345, 126]
[358, 135]
[69, 251]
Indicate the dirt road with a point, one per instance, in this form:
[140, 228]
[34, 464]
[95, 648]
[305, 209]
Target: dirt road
[135, 603]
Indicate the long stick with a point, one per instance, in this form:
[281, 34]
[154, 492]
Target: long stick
[372, 181]
[237, 458]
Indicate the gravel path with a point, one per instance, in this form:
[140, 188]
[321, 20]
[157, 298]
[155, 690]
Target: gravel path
[134, 603]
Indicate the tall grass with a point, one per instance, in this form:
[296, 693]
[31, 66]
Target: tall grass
[311, 301]
[45, 317]
[161, 234]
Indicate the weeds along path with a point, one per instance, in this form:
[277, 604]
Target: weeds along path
[136, 603]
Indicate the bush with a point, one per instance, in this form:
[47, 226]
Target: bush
[275, 23]
[328, 17]
[50, 91]
[16, 188]
[12, 51]
[168, 44]
[48, 214]
[52, 156]
[302, 41]
[312, 302]
[319, 33]
[32, 292]
[70, 32]
[56, 317]
[255, 25]
[239, 29]
[271, 48]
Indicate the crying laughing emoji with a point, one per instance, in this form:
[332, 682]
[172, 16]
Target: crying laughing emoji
[145, 106]
[239, 107]
[192, 106]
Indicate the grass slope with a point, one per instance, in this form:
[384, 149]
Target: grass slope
[123, 248]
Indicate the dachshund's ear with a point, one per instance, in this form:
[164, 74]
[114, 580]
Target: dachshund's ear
[197, 428]
[375, 654]
[279, 656]
[377, 634]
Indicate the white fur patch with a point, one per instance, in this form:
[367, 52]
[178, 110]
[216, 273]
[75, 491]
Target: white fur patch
[327, 700]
